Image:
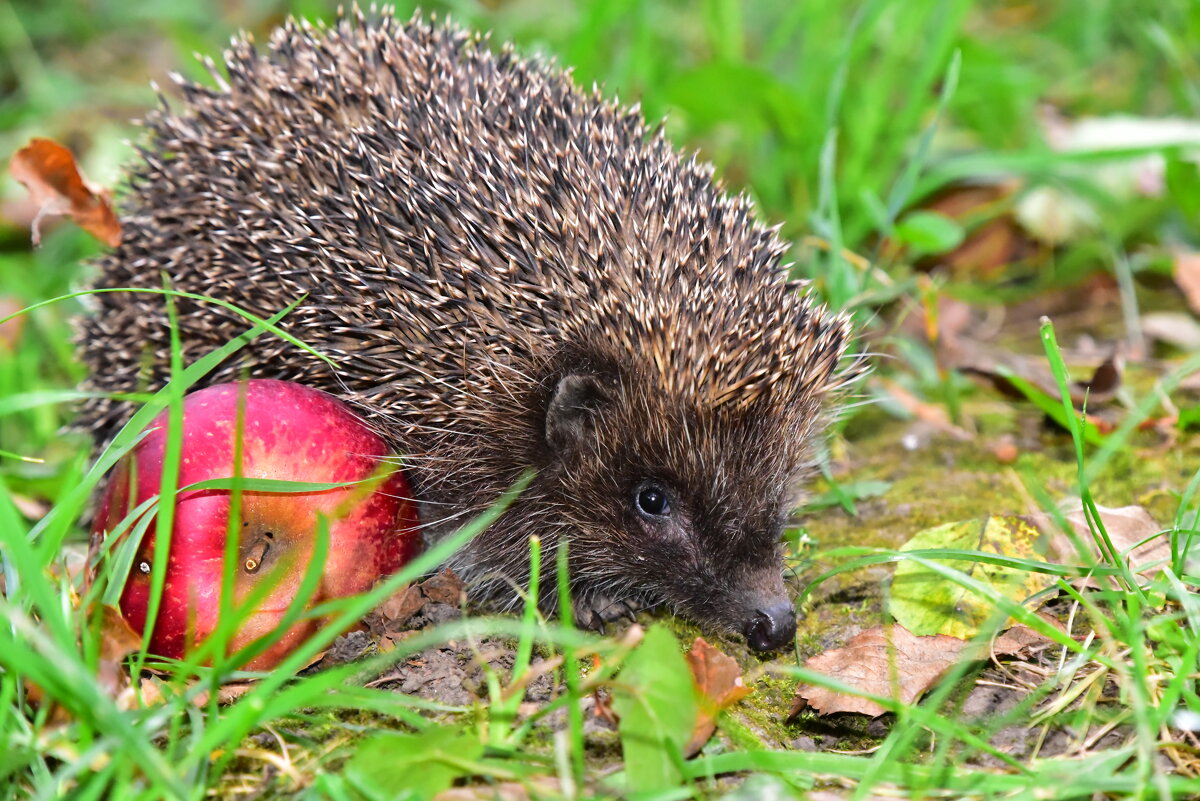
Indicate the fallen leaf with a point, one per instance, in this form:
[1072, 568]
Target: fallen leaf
[30, 508]
[1055, 216]
[1021, 640]
[444, 588]
[49, 172]
[943, 319]
[718, 680]
[1103, 385]
[926, 602]
[400, 606]
[1187, 277]
[1191, 382]
[1178, 329]
[149, 694]
[55, 715]
[1139, 540]
[389, 618]
[997, 366]
[117, 641]
[891, 662]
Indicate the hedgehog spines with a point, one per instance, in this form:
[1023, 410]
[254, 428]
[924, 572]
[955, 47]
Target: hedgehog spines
[469, 228]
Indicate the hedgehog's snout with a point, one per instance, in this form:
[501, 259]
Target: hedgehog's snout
[771, 626]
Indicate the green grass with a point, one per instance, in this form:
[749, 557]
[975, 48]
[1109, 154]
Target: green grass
[839, 120]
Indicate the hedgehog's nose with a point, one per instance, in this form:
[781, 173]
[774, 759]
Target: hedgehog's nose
[771, 627]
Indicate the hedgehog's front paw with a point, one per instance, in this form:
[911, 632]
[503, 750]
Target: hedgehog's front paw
[592, 612]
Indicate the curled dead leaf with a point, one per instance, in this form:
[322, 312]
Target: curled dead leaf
[117, 641]
[48, 170]
[388, 619]
[444, 588]
[400, 606]
[719, 684]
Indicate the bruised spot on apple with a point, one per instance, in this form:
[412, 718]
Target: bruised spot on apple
[289, 432]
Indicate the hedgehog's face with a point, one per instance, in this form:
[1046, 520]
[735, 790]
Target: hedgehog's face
[672, 504]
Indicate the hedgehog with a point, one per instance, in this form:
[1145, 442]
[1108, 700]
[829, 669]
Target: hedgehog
[506, 273]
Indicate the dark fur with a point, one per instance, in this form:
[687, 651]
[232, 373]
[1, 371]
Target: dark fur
[508, 274]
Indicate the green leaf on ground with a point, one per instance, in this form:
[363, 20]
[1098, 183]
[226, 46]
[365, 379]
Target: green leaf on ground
[655, 698]
[926, 602]
[395, 765]
[927, 232]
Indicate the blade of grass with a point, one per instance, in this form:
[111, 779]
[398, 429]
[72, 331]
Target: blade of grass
[566, 614]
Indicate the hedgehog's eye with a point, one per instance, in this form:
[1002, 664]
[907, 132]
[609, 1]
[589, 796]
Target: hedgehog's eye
[651, 501]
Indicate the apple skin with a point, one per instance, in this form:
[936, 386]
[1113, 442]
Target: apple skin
[290, 432]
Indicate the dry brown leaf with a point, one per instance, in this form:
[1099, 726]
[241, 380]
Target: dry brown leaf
[444, 588]
[150, 694]
[1021, 640]
[49, 172]
[117, 638]
[1187, 277]
[400, 606]
[117, 641]
[945, 320]
[389, 618]
[30, 508]
[36, 697]
[1143, 544]
[879, 661]
[718, 678]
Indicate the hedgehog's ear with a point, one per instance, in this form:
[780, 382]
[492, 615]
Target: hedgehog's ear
[571, 415]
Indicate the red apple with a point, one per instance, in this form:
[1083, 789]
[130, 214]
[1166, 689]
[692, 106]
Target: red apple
[290, 432]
